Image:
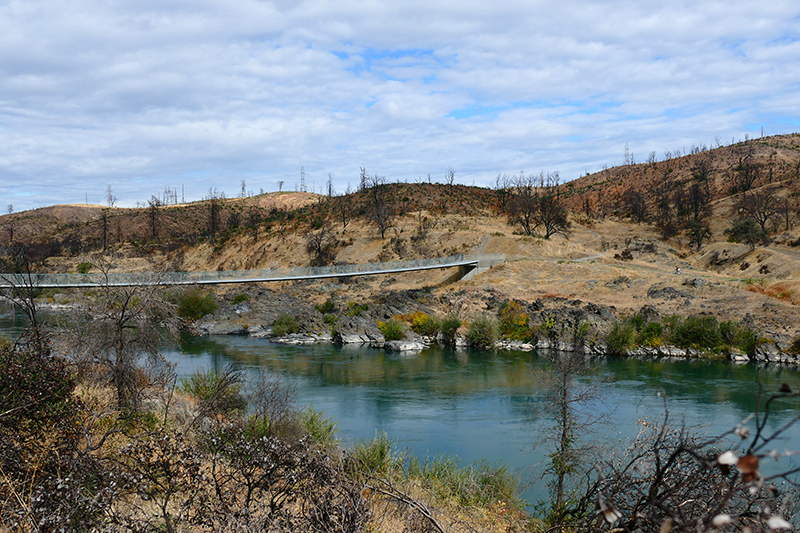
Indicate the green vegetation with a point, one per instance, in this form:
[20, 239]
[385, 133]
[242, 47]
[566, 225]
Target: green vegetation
[217, 394]
[477, 485]
[695, 332]
[746, 230]
[239, 298]
[321, 430]
[448, 326]
[284, 325]
[423, 323]
[392, 329]
[325, 308]
[482, 331]
[195, 303]
[84, 267]
[355, 309]
[513, 321]
[621, 338]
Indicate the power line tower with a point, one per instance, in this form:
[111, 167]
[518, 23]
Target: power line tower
[302, 179]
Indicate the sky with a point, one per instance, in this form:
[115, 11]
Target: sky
[145, 95]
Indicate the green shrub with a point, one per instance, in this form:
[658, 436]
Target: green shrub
[513, 323]
[239, 298]
[448, 326]
[651, 334]
[747, 341]
[355, 309]
[697, 332]
[477, 485]
[392, 329]
[621, 337]
[482, 331]
[637, 321]
[325, 308]
[375, 458]
[216, 393]
[330, 319]
[284, 325]
[321, 430]
[423, 324]
[743, 338]
[83, 268]
[196, 303]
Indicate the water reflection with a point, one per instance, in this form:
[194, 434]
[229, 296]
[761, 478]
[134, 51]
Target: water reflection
[484, 405]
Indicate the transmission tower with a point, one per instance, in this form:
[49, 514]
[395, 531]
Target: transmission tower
[302, 179]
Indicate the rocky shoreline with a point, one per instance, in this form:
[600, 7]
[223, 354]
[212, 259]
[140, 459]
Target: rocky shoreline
[557, 321]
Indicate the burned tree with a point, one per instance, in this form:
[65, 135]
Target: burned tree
[118, 340]
[380, 213]
[321, 246]
[537, 203]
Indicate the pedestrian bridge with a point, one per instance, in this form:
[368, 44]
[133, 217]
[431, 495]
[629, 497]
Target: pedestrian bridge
[470, 266]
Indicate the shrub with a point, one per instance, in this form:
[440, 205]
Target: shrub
[321, 430]
[284, 325]
[697, 332]
[743, 338]
[326, 307]
[514, 321]
[448, 326]
[482, 331]
[84, 267]
[195, 303]
[239, 298]
[217, 393]
[330, 319]
[621, 337]
[375, 458]
[355, 309]
[651, 334]
[477, 485]
[392, 329]
[423, 324]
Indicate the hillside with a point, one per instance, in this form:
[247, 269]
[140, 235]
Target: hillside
[617, 254]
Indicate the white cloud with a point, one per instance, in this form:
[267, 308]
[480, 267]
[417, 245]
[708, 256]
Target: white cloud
[153, 93]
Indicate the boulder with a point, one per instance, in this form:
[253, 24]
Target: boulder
[666, 293]
[404, 346]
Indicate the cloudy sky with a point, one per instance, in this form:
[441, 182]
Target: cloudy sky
[147, 94]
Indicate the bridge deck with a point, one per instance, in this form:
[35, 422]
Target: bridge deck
[123, 279]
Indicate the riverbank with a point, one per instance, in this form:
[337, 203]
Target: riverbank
[325, 312]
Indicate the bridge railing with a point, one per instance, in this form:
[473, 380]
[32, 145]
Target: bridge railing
[236, 276]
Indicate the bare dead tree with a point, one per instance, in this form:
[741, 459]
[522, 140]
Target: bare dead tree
[21, 287]
[537, 203]
[760, 205]
[745, 172]
[671, 479]
[153, 212]
[450, 176]
[381, 214]
[321, 246]
[635, 202]
[118, 339]
[572, 450]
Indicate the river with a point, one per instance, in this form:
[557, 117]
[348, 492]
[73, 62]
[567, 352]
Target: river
[488, 405]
